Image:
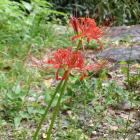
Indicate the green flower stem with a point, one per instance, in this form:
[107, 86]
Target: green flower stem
[57, 106]
[128, 71]
[44, 115]
[79, 44]
[56, 110]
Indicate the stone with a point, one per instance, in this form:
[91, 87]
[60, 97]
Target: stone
[128, 33]
[121, 54]
[125, 105]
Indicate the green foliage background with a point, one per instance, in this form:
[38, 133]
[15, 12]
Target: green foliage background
[24, 23]
[126, 11]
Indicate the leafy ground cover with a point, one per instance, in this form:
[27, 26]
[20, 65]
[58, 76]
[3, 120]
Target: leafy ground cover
[104, 106]
[101, 107]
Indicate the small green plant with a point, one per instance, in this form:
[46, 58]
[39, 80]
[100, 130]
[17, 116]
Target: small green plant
[132, 82]
[12, 103]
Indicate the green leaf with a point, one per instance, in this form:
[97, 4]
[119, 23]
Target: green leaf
[123, 63]
[54, 102]
[10, 95]
[3, 122]
[24, 114]
[27, 5]
[40, 111]
[138, 98]
[38, 95]
[30, 110]
[17, 89]
[81, 118]
[128, 36]
[21, 96]
[17, 121]
[124, 70]
[47, 97]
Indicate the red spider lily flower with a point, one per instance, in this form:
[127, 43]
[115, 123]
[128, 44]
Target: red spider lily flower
[87, 28]
[74, 22]
[69, 60]
[80, 26]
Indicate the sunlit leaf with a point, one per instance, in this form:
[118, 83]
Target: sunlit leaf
[17, 121]
[30, 110]
[27, 5]
[24, 114]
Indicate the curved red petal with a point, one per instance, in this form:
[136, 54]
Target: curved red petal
[78, 36]
[83, 76]
[57, 78]
[66, 75]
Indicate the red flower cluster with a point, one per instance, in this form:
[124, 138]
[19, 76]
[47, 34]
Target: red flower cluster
[68, 60]
[87, 28]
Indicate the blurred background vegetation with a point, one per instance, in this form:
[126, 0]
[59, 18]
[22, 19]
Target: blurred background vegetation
[26, 22]
[127, 12]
